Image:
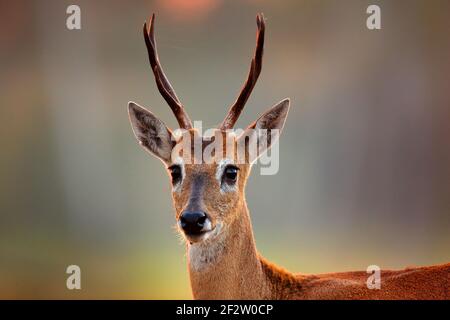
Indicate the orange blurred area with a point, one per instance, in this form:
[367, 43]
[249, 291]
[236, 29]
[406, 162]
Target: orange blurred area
[187, 10]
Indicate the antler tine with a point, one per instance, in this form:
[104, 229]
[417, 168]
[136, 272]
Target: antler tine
[255, 70]
[162, 82]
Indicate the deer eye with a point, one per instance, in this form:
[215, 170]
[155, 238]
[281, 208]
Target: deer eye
[175, 172]
[230, 174]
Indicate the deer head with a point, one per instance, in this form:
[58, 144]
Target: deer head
[206, 196]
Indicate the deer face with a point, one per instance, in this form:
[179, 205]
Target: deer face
[207, 195]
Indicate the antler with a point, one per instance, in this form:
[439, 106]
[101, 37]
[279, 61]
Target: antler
[255, 70]
[163, 84]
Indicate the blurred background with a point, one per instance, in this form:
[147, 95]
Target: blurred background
[365, 159]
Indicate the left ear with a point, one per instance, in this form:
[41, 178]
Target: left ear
[267, 128]
[152, 134]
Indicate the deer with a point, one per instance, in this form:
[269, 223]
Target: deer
[214, 220]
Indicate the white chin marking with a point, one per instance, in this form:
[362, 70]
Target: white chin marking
[206, 252]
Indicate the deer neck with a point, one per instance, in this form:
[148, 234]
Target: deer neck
[228, 266]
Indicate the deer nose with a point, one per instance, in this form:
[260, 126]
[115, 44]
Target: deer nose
[192, 222]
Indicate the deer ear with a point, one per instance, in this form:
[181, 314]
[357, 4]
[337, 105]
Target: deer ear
[267, 129]
[152, 134]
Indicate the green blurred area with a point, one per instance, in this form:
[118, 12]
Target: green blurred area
[364, 160]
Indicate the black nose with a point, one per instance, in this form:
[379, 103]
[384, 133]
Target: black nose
[192, 222]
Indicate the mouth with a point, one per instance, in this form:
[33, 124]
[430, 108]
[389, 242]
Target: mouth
[202, 235]
[197, 237]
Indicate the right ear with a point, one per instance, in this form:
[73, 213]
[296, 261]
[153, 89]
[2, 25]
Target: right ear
[152, 134]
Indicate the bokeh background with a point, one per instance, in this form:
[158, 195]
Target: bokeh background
[365, 158]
